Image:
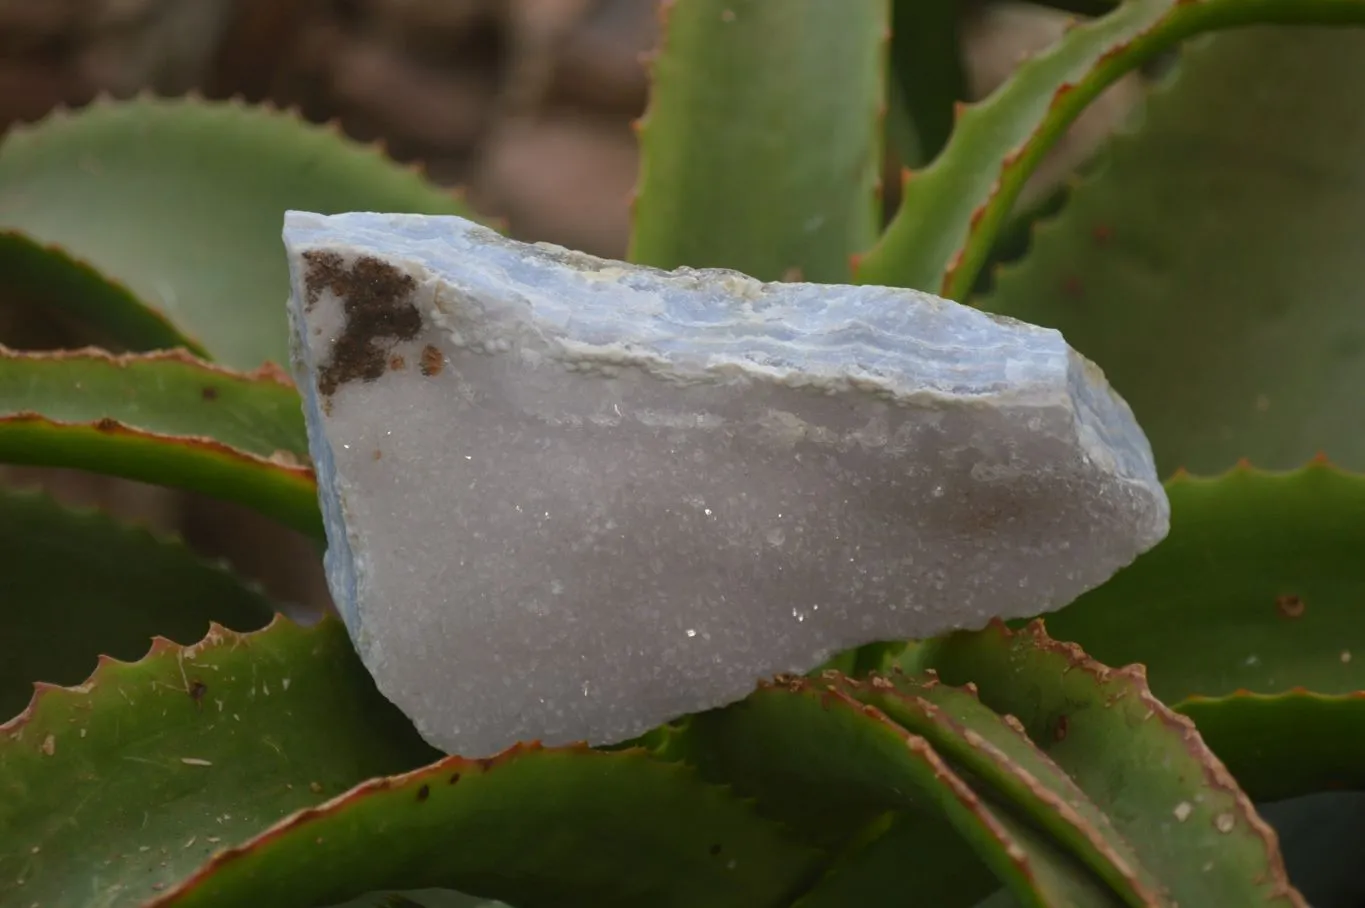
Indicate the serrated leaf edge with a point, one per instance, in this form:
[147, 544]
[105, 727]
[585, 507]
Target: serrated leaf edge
[1216, 775]
[217, 635]
[266, 372]
[1125, 880]
[1180, 21]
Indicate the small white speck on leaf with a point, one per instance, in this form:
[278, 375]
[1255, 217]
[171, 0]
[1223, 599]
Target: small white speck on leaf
[1183, 811]
[195, 761]
[1224, 822]
[49, 745]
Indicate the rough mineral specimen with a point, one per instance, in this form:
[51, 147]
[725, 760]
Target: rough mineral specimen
[569, 498]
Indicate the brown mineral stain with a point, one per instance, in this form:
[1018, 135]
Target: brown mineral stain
[397, 363]
[432, 361]
[377, 299]
[1291, 606]
[378, 454]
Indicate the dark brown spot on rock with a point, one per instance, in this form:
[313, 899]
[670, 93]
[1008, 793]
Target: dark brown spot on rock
[377, 300]
[1291, 606]
[378, 454]
[209, 392]
[424, 792]
[322, 268]
[432, 361]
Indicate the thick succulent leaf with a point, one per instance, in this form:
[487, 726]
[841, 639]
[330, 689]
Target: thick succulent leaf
[158, 782]
[952, 210]
[276, 487]
[78, 584]
[1258, 587]
[607, 828]
[112, 791]
[832, 768]
[182, 202]
[761, 145]
[169, 393]
[1283, 745]
[1143, 765]
[46, 275]
[977, 741]
[879, 862]
[1210, 266]
[164, 418]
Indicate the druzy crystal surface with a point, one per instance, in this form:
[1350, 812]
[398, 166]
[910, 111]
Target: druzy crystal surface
[569, 499]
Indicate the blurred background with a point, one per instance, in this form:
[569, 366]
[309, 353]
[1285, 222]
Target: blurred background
[526, 104]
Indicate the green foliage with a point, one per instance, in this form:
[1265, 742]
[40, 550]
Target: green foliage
[761, 145]
[1207, 262]
[178, 204]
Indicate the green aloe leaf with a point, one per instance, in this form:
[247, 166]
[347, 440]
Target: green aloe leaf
[46, 275]
[1284, 745]
[1143, 765]
[1258, 587]
[877, 864]
[114, 790]
[163, 418]
[168, 393]
[609, 828]
[1209, 264]
[833, 768]
[975, 740]
[952, 210]
[78, 584]
[181, 202]
[254, 769]
[761, 146]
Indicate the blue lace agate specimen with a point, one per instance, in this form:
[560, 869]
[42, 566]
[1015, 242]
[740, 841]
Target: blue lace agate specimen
[570, 499]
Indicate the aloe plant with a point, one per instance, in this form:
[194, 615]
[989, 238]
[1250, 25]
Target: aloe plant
[186, 745]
